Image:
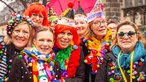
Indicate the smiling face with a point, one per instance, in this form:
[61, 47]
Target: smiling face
[81, 26]
[113, 27]
[37, 19]
[64, 38]
[20, 35]
[127, 42]
[44, 42]
[99, 28]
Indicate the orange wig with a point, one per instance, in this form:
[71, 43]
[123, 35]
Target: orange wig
[38, 9]
[59, 28]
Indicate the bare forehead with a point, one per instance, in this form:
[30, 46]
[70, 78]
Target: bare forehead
[112, 24]
[126, 27]
[100, 20]
[23, 25]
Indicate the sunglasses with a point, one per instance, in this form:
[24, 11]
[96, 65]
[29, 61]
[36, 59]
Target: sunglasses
[129, 34]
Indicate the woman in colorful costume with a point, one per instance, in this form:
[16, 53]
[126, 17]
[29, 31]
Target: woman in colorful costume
[97, 44]
[67, 48]
[18, 36]
[81, 23]
[127, 61]
[36, 63]
[84, 32]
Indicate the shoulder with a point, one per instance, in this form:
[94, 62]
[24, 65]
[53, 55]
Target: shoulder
[110, 56]
[18, 59]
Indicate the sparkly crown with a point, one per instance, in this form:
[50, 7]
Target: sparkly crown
[80, 14]
[15, 20]
[67, 17]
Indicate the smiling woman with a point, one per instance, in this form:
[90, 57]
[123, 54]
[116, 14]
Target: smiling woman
[41, 58]
[18, 36]
[37, 12]
[67, 48]
[128, 54]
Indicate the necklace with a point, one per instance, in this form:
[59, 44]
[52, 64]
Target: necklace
[131, 64]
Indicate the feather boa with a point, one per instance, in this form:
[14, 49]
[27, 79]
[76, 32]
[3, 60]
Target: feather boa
[70, 62]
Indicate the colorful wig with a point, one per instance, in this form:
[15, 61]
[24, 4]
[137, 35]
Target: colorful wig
[39, 9]
[59, 28]
[75, 54]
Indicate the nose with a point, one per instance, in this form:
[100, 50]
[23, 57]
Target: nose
[37, 17]
[20, 34]
[65, 36]
[102, 25]
[45, 43]
[125, 36]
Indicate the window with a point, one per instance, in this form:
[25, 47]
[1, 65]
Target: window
[138, 2]
[128, 3]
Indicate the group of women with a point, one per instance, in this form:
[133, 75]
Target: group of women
[75, 50]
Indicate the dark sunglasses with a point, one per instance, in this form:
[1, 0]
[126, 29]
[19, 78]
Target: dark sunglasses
[130, 33]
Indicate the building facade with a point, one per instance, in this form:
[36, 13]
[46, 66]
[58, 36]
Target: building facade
[135, 11]
[131, 10]
[5, 15]
[112, 9]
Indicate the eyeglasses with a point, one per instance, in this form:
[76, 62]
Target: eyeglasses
[99, 23]
[129, 34]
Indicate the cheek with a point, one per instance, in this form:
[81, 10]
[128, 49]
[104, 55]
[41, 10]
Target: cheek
[58, 37]
[15, 33]
[93, 27]
[52, 44]
[41, 20]
[26, 35]
[32, 18]
[70, 38]
[134, 40]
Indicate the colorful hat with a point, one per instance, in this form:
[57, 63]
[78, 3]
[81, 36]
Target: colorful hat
[16, 19]
[52, 15]
[67, 17]
[96, 12]
[80, 14]
[66, 22]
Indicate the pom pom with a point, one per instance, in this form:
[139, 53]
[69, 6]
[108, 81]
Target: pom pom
[78, 1]
[70, 4]
[75, 47]
[84, 40]
[20, 56]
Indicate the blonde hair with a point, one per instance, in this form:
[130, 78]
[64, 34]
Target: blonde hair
[8, 38]
[87, 33]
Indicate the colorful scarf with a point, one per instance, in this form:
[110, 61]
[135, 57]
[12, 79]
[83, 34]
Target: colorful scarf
[139, 52]
[97, 49]
[31, 54]
[68, 59]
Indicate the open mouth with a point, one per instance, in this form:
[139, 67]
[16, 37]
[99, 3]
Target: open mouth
[64, 43]
[44, 49]
[101, 30]
[20, 40]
